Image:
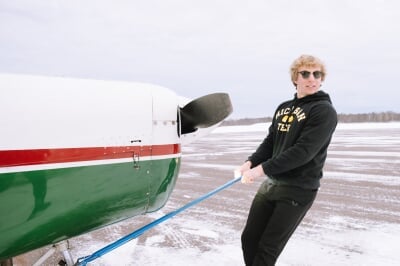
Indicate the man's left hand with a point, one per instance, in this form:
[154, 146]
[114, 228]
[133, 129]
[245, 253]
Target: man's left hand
[250, 175]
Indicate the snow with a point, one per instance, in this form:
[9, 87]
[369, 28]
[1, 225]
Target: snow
[354, 221]
[368, 245]
[345, 233]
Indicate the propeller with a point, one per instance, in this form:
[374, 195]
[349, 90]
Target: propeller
[204, 112]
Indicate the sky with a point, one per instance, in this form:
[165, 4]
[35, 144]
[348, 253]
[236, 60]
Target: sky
[244, 48]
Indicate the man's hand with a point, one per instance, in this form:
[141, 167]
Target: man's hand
[250, 175]
[243, 168]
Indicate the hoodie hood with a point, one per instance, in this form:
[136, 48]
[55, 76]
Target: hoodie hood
[318, 96]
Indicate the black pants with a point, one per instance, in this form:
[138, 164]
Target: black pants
[275, 213]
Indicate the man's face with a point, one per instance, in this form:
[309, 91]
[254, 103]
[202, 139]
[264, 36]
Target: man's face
[308, 81]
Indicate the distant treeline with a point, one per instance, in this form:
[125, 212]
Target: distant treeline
[343, 118]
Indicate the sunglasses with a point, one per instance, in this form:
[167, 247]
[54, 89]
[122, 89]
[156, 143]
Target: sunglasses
[306, 74]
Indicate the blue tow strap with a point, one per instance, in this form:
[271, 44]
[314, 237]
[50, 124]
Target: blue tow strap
[84, 260]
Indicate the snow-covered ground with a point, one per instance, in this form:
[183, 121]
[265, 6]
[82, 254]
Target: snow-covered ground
[355, 219]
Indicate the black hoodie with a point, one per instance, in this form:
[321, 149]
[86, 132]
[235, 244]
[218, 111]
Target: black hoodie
[295, 149]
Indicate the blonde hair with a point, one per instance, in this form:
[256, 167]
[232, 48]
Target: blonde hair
[308, 61]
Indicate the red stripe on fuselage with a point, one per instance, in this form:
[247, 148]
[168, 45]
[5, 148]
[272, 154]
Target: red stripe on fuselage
[69, 155]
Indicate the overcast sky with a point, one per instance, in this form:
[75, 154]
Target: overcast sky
[243, 47]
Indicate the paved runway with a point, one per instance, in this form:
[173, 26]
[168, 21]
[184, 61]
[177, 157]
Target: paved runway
[354, 220]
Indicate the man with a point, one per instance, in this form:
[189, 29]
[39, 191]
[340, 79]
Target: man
[292, 156]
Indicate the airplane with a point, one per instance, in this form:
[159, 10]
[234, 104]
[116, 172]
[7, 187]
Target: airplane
[78, 154]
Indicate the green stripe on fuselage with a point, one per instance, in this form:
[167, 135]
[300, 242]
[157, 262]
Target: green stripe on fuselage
[46, 206]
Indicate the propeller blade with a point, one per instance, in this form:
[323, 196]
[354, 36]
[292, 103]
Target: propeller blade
[205, 111]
